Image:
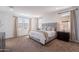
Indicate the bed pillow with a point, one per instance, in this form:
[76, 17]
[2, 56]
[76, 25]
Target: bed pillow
[50, 29]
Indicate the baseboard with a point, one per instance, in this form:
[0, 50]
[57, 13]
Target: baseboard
[75, 41]
[16, 37]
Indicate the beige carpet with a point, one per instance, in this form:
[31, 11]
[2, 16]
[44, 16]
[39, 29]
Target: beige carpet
[24, 44]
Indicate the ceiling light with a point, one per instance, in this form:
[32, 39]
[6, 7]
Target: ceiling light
[11, 8]
[57, 8]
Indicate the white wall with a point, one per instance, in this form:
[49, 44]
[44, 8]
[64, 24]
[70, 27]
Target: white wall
[6, 23]
[51, 17]
[48, 18]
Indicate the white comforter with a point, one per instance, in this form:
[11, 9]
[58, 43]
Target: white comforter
[51, 33]
[42, 36]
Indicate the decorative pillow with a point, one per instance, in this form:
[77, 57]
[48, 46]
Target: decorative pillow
[49, 28]
[53, 29]
[44, 28]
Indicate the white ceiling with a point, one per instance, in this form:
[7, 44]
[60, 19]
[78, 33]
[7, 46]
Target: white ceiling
[34, 10]
[38, 10]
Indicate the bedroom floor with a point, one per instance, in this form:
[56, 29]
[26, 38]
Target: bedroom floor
[24, 44]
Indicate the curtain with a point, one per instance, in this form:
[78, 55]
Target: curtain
[29, 25]
[15, 26]
[73, 25]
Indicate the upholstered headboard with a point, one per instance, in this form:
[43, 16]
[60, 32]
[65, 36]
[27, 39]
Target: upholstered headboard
[49, 26]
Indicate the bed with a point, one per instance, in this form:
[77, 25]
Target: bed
[45, 34]
[42, 37]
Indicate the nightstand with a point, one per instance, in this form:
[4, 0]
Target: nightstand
[65, 36]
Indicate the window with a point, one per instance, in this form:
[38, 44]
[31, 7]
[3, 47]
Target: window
[23, 25]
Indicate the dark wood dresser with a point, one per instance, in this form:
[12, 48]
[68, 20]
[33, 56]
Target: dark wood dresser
[65, 36]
